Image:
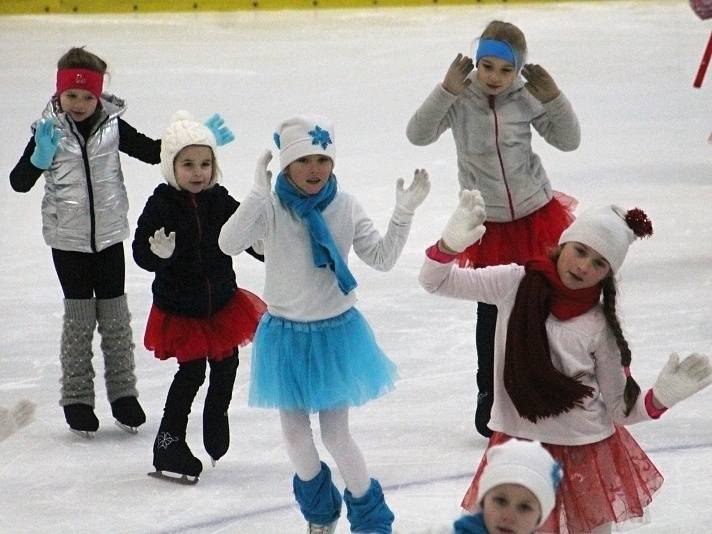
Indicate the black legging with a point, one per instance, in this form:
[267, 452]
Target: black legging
[484, 341]
[84, 275]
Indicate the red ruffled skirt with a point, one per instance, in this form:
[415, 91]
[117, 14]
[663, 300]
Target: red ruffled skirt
[519, 241]
[610, 481]
[214, 337]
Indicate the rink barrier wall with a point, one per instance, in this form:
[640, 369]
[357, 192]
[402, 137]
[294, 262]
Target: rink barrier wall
[27, 7]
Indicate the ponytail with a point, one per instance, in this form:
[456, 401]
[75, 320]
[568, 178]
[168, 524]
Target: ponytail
[632, 389]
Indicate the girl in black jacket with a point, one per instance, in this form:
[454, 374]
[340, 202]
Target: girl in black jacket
[199, 314]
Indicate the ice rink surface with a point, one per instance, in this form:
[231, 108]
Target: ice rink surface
[627, 67]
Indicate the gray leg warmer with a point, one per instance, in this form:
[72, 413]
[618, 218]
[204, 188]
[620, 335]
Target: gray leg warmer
[114, 320]
[75, 352]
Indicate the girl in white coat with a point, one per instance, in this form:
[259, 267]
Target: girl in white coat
[562, 364]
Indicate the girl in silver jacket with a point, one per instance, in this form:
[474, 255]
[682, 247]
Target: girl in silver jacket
[76, 145]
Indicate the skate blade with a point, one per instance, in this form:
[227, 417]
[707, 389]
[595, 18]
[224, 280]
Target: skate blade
[126, 428]
[183, 480]
[86, 434]
[213, 461]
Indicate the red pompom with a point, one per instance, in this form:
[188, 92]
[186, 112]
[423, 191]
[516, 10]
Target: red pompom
[638, 221]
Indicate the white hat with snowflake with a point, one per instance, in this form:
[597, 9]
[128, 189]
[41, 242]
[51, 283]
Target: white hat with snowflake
[304, 135]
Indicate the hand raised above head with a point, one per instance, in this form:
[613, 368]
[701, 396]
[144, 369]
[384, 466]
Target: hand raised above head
[540, 83]
[412, 197]
[466, 224]
[457, 77]
[263, 177]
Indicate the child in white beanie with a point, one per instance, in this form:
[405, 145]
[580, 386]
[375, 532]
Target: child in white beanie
[517, 490]
[199, 314]
[562, 364]
[313, 350]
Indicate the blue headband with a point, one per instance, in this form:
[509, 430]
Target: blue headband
[499, 49]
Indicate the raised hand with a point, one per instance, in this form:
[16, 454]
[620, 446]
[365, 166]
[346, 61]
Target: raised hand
[409, 199]
[263, 177]
[223, 134]
[162, 245]
[47, 138]
[466, 224]
[456, 79]
[678, 381]
[540, 83]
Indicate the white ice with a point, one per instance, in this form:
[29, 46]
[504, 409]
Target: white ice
[627, 67]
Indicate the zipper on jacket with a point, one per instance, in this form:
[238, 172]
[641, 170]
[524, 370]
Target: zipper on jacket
[87, 177]
[491, 100]
[196, 214]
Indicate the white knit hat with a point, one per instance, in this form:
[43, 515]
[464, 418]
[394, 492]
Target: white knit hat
[184, 131]
[609, 230]
[526, 463]
[304, 135]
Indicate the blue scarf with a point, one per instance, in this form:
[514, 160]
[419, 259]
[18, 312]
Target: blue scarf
[309, 208]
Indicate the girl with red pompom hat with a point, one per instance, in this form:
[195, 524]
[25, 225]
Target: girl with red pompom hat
[562, 364]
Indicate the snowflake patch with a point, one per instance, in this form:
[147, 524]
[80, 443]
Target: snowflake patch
[320, 137]
[165, 439]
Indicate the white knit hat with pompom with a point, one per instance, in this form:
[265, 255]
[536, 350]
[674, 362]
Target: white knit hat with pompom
[184, 131]
[609, 230]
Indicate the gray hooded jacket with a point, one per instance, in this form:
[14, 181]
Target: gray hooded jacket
[493, 142]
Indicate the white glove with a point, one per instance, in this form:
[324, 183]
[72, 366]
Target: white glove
[409, 199]
[263, 177]
[466, 222]
[12, 420]
[677, 381]
[163, 245]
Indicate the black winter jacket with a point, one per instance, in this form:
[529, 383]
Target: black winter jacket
[198, 279]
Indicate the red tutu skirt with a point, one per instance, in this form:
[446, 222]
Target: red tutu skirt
[214, 337]
[523, 239]
[610, 481]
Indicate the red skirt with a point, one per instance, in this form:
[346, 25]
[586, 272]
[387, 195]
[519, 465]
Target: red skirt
[214, 337]
[610, 481]
[519, 241]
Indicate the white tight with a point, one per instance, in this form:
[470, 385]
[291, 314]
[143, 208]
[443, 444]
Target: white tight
[335, 434]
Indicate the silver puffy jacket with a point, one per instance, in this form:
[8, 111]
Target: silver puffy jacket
[85, 204]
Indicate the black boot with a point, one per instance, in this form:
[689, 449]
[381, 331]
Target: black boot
[170, 450]
[484, 339]
[81, 418]
[128, 412]
[171, 453]
[216, 427]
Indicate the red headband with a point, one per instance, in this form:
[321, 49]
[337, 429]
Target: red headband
[88, 80]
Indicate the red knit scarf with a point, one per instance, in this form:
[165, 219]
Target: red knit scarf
[537, 389]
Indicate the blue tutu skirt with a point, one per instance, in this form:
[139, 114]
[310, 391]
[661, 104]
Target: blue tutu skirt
[319, 365]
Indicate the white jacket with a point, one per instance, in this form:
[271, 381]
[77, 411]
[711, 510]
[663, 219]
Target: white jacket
[295, 288]
[583, 345]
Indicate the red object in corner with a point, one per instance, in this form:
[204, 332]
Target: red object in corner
[703, 64]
